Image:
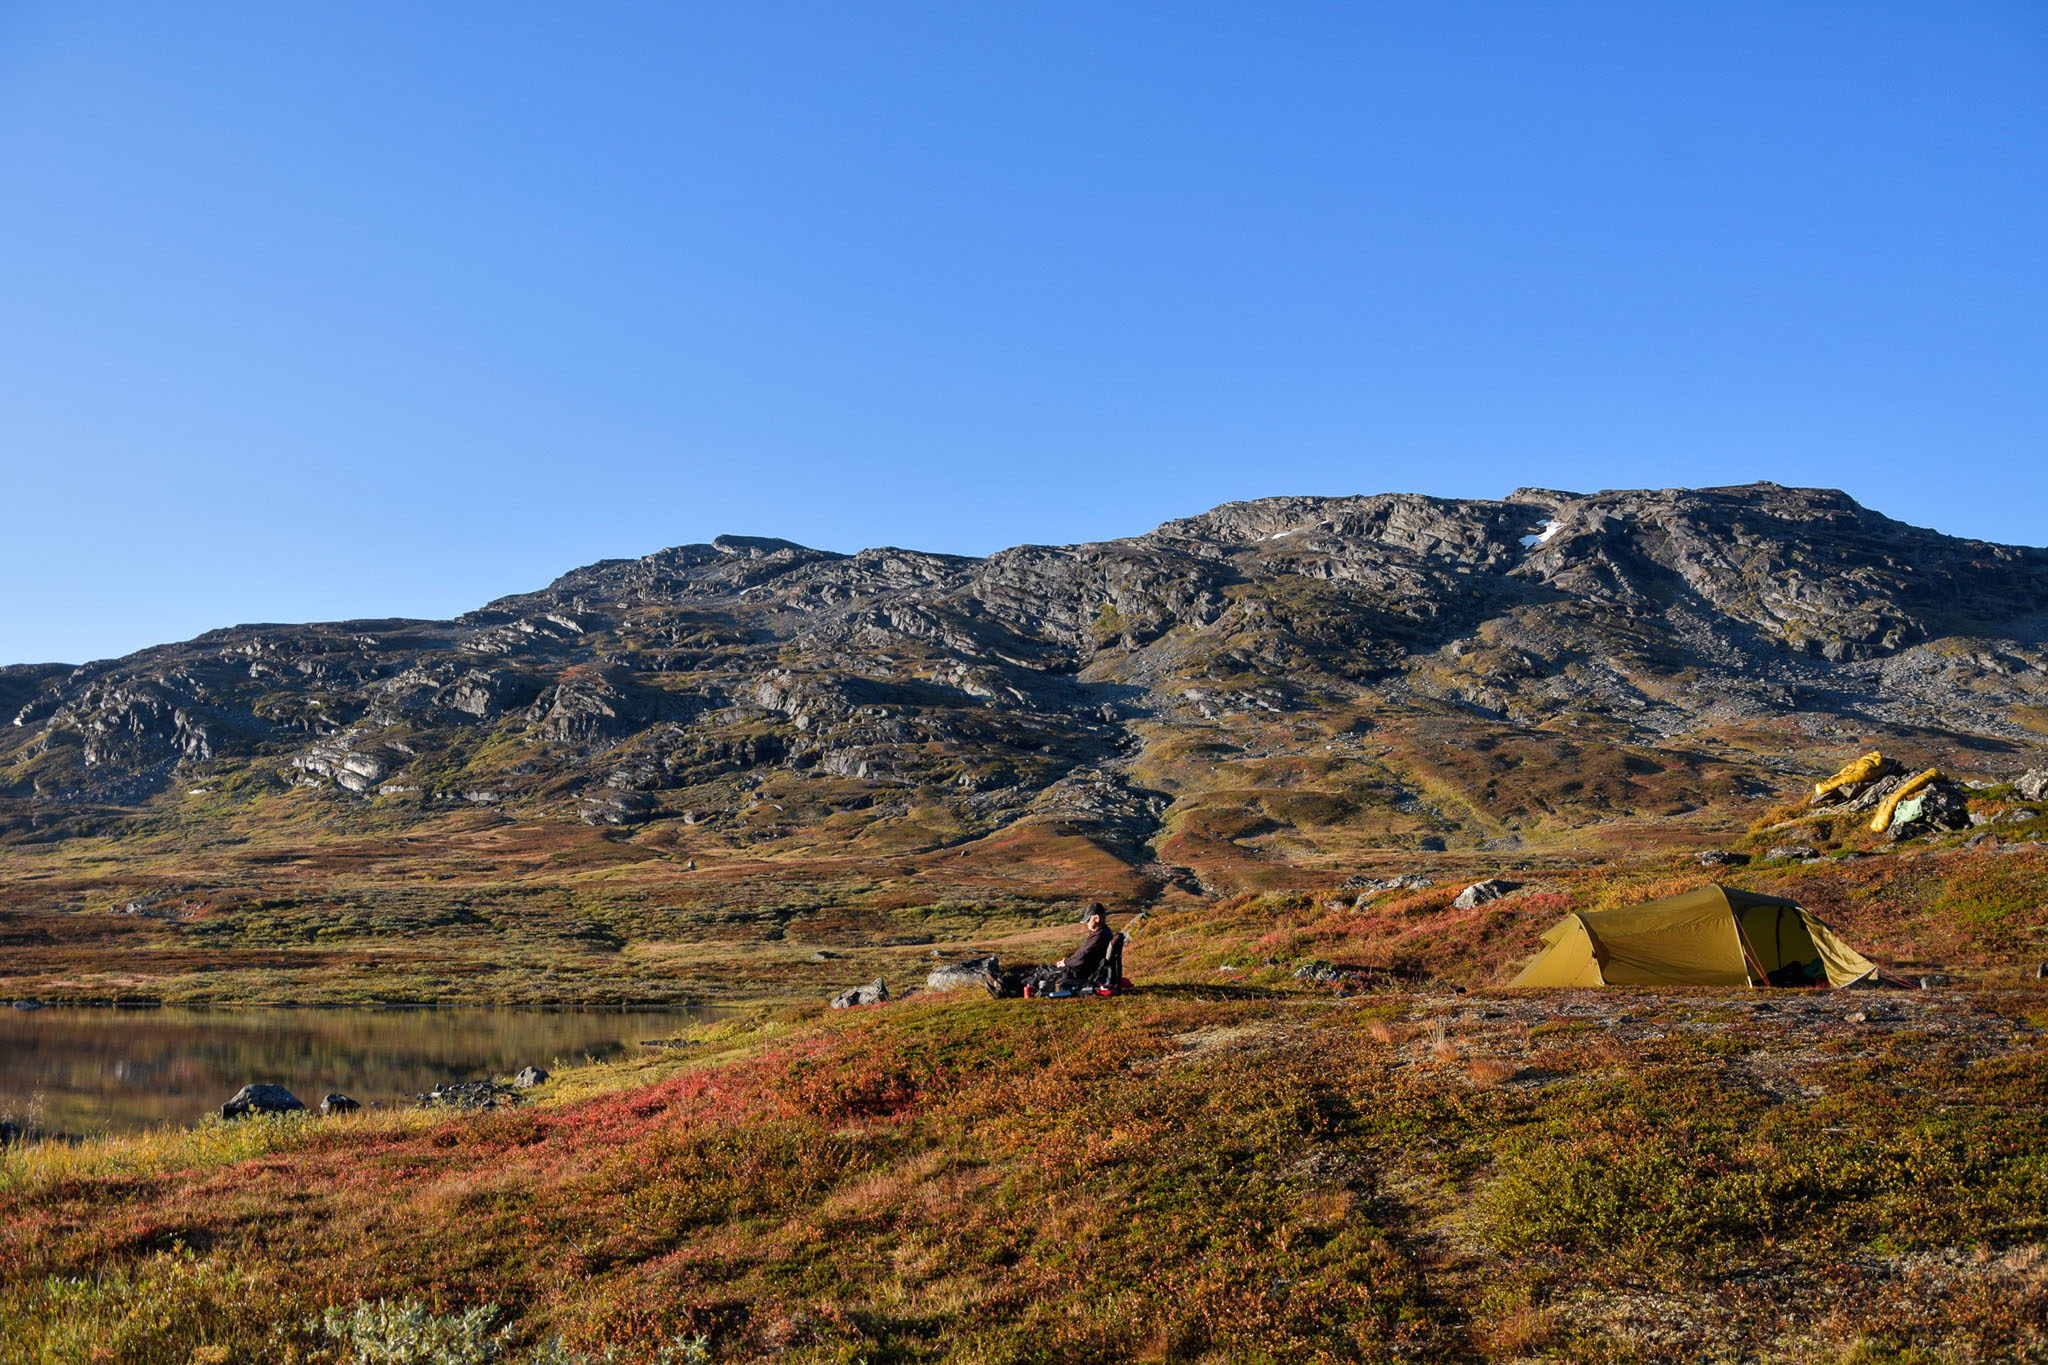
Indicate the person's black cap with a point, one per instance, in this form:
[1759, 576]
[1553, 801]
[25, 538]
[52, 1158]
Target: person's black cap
[1094, 908]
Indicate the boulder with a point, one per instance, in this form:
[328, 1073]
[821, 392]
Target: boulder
[2018, 815]
[1793, 851]
[1940, 806]
[2032, 784]
[1720, 857]
[529, 1077]
[1874, 794]
[874, 993]
[261, 1099]
[1479, 893]
[982, 972]
[338, 1103]
[1433, 843]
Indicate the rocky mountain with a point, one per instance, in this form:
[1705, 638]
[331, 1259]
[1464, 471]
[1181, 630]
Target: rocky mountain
[1402, 668]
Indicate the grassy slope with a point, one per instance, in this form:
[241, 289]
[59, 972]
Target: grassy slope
[1602, 1176]
[1232, 1166]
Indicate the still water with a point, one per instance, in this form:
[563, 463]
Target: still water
[78, 1070]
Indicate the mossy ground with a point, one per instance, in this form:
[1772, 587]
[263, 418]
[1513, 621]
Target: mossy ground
[1231, 1165]
[1184, 1175]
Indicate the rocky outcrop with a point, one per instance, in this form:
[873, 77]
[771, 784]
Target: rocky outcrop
[874, 993]
[468, 1095]
[1027, 686]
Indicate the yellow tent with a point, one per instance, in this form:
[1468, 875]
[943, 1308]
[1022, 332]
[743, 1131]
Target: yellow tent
[1716, 936]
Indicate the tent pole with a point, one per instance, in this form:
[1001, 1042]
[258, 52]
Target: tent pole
[1763, 978]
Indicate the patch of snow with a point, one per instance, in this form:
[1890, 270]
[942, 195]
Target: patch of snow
[1550, 528]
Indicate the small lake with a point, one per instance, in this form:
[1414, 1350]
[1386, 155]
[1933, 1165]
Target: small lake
[77, 1070]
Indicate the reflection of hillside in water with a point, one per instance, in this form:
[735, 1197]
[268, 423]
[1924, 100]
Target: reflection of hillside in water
[84, 1070]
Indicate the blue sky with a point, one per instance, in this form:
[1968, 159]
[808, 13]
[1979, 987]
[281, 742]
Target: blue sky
[324, 311]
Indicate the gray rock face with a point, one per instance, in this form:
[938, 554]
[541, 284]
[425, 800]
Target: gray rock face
[261, 1099]
[2032, 784]
[976, 972]
[529, 1077]
[1411, 882]
[1018, 687]
[1720, 857]
[1479, 893]
[874, 993]
[1792, 851]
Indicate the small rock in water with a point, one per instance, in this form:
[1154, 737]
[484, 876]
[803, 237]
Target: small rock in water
[28, 1004]
[261, 1099]
[874, 993]
[338, 1103]
[529, 1077]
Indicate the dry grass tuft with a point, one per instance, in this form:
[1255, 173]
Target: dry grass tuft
[1388, 1034]
[1487, 1072]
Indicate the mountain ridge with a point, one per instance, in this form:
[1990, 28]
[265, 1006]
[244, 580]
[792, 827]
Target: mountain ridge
[1066, 681]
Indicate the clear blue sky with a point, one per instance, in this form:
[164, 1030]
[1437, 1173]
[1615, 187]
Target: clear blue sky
[315, 311]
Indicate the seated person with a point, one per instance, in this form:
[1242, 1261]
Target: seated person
[1081, 965]
[1086, 960]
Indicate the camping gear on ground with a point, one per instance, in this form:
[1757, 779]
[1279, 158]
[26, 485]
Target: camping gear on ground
[1882, 821]
[1716, 936]
[1846, 784]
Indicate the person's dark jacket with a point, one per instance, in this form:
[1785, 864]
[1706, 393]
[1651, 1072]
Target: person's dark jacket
[1086, 960]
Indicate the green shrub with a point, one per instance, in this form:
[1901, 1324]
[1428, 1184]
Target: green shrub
[403, 1332]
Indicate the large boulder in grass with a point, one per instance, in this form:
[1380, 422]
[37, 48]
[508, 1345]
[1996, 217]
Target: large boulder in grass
[261, 1099]
[983, 972]
[2032, 784]
[1479, 893]
[874, 993]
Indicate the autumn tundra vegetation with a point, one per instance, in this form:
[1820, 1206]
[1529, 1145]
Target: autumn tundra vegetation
[1352, 757]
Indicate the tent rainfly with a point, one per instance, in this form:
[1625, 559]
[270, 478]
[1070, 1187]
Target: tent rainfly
[1716, 936]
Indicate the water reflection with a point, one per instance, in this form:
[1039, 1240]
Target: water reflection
[79, 1070]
